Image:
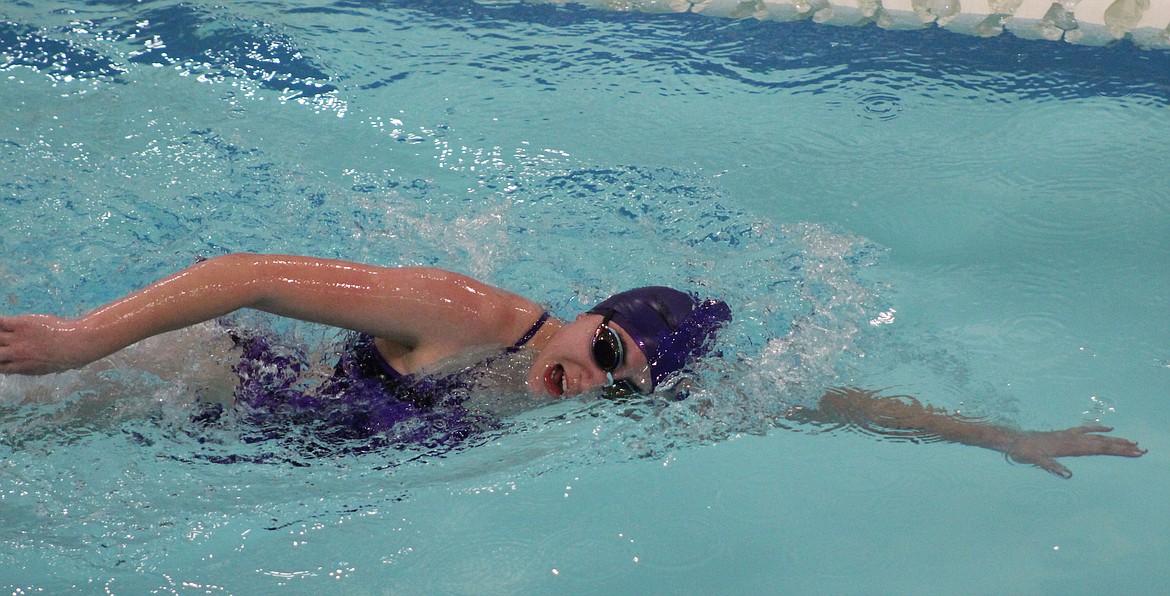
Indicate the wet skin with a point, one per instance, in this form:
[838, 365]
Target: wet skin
[564, 365]
[423, 315]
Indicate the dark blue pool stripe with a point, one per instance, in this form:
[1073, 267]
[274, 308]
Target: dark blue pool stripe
[232, 49]
[271, 59]
[748, 52]
[22, 45]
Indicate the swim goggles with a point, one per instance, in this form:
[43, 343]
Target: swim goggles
[608, 354]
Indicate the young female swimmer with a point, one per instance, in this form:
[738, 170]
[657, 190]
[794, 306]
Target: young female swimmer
[410, 319]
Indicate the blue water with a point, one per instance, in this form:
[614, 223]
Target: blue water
[979, 222]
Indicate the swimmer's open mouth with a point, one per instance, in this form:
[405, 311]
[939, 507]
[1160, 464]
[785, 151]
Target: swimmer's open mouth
[554, 380]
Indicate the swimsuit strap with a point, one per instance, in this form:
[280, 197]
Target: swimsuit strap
[373, 355]
[366, 344]
[531, 334]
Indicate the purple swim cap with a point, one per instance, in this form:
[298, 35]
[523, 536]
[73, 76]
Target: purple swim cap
[670, 327]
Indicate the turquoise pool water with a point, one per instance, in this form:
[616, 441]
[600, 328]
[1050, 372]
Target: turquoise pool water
[979, 222]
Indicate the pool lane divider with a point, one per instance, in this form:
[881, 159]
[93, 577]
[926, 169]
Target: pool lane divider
[1090, 22]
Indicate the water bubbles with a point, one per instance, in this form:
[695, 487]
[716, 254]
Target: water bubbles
[341, 572]
[1098, 409]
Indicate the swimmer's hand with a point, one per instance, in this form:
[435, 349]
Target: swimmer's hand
[910, 418]
[1040, 448]
[42, 344]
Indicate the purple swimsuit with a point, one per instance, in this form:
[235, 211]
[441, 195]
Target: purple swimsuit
[365, 396]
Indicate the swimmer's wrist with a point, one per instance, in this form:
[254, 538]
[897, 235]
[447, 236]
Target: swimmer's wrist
[90, 340]
[1006, 439]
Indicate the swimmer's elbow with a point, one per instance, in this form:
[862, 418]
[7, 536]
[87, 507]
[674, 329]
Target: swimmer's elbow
[244, 267]
[236, 280]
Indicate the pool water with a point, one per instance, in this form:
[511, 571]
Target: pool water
[982, 223]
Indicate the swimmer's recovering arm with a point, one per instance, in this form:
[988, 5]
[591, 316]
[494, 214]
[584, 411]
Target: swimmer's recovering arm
[418, 308]
[911, 419]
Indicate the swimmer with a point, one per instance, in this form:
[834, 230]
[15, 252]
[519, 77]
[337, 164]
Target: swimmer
[409, 320]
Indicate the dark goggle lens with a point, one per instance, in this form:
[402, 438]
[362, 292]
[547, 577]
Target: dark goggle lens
[607, 348]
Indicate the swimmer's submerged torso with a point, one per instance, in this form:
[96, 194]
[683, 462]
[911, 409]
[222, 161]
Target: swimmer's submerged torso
[365, 395]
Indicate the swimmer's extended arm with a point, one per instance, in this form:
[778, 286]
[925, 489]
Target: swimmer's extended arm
[420, 309]
[909, 418]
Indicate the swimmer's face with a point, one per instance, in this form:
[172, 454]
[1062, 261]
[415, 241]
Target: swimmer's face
[566, 366]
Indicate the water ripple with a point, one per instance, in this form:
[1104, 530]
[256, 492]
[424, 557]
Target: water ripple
[880, 106]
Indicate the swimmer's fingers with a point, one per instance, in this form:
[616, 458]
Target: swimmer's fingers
[8, 353]
[37, 345]
[1053, 467]
[1084, 440]
[1042, 448]
[7, 328]
[13, 355]
[1108, 445]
